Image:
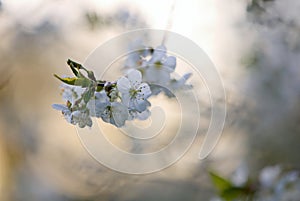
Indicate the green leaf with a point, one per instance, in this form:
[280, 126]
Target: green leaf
[219, 182]
[99, 88]
[100, 85]
[74, 67]
[88, 94]
[227, 190]
[83, 82]
[67, 80]
[91, 75]
[74, 64]
[233, 193]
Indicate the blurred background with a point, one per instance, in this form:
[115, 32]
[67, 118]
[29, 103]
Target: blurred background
[254, 44]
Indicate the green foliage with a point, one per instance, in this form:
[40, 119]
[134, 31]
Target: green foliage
[227, 190]
[88, 94]
[74, 67]
[100, 85]
[220, 183]
[83, 82]
[270, 185]
[80, 79]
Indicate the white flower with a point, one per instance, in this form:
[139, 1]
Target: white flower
[175, 85]
[76, 117]
[72, 93]
[268, 175]
[139, 115]
[181, 83]
[159, 67]
[138, 53]
[116, 114]
[98, 104]
[126, 98]
[288, 178]
[134, 92]
[240, 176]
[81, 118]
[157, 70]
[65, 110]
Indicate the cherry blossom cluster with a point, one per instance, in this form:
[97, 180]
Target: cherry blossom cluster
[147, 73]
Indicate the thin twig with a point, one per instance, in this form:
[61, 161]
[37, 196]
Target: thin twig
[169, 22]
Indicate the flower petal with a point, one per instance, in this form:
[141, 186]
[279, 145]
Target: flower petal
[126, 99]
[139, 105]
[170, 63]
[145, 90]
[135, 78]
[123, 85]
[81, 118]
[143, 115]
[158, 54]
[139, 115]
[119, 113]
[59, 107]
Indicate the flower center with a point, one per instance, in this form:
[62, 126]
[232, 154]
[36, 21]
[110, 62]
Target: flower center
[133, 92]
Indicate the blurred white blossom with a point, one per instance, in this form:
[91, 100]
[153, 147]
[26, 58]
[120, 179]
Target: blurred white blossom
[268, 175]
[158, 69]
[240, 176]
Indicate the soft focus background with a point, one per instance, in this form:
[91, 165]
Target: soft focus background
[255, 45]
